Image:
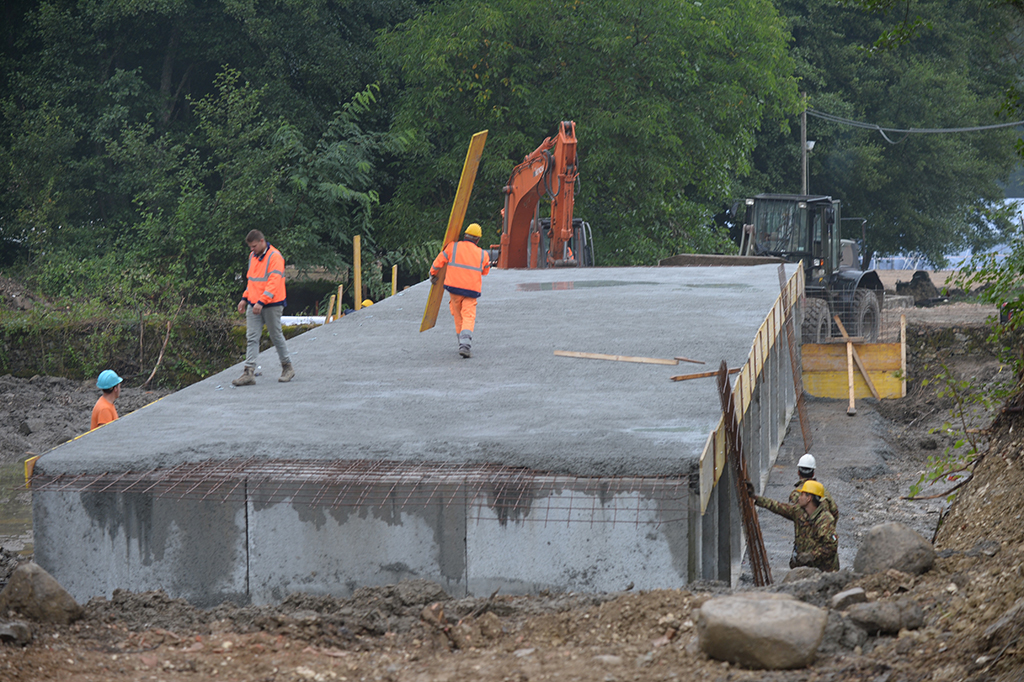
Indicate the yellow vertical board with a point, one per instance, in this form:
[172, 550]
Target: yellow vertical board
[357, 268]
[330, 311]
[458, 214]
[394, 279]
[903, 356]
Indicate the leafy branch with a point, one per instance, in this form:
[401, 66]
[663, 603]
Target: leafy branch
[971, 404]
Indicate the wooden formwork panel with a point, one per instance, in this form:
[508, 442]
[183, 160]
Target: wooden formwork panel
[825, 371]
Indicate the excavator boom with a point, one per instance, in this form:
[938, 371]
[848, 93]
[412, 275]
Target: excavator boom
[552, 170]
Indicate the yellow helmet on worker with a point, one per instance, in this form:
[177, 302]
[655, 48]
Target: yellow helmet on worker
[812, 487]
[474, 230]
[366, 303]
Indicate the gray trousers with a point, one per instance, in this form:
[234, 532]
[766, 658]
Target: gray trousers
[271, 317]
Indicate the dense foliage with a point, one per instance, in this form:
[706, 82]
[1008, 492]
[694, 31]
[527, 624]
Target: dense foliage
[143, 140]
[140, 141]
[667, 98]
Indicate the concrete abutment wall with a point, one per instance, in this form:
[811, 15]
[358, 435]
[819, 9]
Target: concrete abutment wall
[570, 475]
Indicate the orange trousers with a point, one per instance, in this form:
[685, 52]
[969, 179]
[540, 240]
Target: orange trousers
[463, 310]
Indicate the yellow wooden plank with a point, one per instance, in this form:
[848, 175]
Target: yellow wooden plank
[330, 311]
[458, 214]
[698, 375]
[707, 471]
[903, 353]
[357, 270]
[745, 387]
[829, 357]
[618, 358]
[719, 450]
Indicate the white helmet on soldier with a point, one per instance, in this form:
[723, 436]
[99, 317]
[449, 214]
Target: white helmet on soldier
[807, 464]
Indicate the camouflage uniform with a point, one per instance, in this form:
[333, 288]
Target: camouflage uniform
[815, 534]
[827, 500]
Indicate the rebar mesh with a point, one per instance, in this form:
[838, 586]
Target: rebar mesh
[489, 492]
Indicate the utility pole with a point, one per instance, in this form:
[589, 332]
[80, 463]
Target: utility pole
[803, 144]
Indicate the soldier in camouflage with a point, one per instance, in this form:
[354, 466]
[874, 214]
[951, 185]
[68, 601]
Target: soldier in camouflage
[805, 472]
[815, 543]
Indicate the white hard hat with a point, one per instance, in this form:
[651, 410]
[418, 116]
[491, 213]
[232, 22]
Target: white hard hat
[807, 462]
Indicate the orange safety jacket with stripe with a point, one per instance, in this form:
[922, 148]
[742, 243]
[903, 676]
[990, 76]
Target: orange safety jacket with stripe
[467, 264]
[266, 278]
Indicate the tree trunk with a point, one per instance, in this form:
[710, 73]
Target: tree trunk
[167, 74]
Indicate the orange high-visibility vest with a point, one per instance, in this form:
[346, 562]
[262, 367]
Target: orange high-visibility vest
[467, 264]
[266, 278]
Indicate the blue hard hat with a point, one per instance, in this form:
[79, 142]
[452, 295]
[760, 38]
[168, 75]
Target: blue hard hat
[108, 379]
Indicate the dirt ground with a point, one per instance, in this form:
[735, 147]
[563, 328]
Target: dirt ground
[391, 633]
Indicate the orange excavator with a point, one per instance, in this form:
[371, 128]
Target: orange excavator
[529, 241]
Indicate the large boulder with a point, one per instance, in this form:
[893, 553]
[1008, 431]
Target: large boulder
[893, 545]
[769, 631]
[36, 595]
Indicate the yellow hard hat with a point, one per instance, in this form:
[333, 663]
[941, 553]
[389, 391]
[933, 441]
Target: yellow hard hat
[812, 487]
[474, 230]
[367, 303]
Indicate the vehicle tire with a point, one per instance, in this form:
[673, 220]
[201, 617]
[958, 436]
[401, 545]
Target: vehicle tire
[867, 317]
[817, 326]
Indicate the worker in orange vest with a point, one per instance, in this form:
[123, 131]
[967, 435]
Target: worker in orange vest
[467, 264]
[263, 304]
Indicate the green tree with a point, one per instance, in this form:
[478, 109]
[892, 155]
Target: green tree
[667, 97]
[122, 139]
[933, 194]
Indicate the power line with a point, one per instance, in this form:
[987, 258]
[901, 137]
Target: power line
[905, 131]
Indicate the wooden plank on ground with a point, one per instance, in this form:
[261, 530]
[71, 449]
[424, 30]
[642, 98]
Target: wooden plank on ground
[699, 375]
[458, 214]
[616, 358]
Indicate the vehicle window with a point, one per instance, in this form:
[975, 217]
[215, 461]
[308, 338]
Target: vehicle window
[778, 227]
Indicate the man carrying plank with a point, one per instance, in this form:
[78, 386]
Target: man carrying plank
[466, 265]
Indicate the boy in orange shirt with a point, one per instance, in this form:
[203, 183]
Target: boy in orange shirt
[104, 412]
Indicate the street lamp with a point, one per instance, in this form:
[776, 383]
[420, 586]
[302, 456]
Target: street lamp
[808, 146]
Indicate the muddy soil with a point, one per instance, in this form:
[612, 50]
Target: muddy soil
[393, 633]
[36, 415]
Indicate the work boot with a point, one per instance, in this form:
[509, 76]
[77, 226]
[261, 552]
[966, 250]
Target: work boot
[465, 341]
[287, 373]
[248, 378]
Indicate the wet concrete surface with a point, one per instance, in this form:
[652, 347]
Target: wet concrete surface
[372, 387]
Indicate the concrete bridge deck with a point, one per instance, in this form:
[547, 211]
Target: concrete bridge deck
[371, 388]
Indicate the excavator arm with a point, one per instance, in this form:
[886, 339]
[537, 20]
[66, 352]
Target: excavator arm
[550, 170]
